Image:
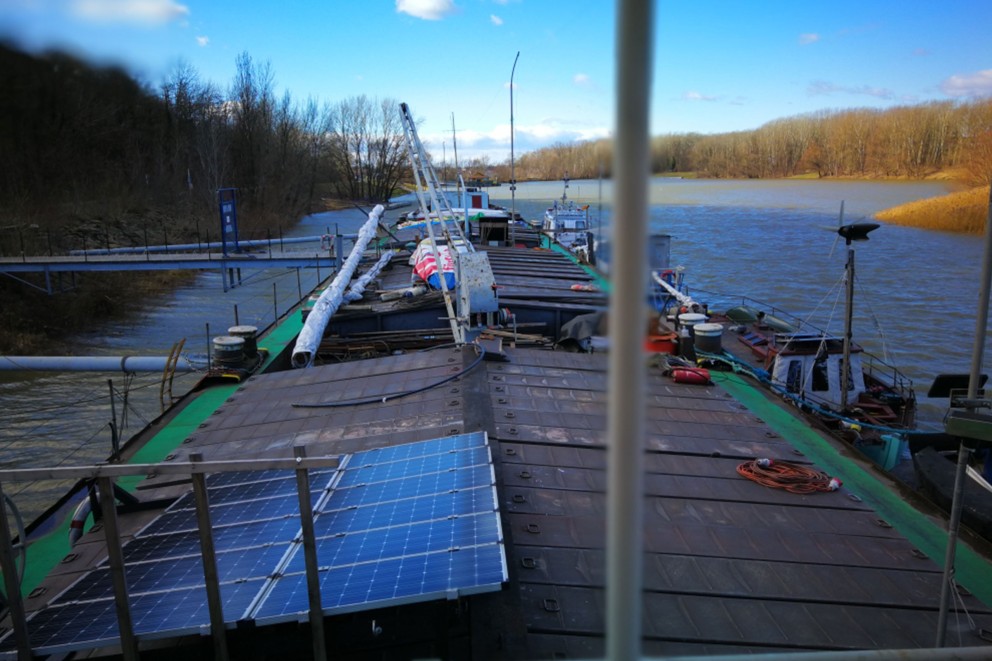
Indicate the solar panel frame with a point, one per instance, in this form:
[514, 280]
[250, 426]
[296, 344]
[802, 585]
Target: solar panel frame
[442, 524]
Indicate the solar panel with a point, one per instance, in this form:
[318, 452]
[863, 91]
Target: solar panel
[401, 524]
[240, 493]
[410, 487]
[187, 571]
[407, 510]
[238, 535]
[241, 512]
[393, 582]
[75, 626]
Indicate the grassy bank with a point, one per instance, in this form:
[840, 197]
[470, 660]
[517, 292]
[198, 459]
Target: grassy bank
[964, 212]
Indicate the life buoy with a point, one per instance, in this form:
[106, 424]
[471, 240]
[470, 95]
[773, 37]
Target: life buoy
[79, 520]
[668, 275]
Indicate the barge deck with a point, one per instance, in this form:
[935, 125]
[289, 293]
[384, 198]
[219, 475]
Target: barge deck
[730, 566]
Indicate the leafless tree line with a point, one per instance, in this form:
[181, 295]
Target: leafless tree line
[73, 135]
[907, 141]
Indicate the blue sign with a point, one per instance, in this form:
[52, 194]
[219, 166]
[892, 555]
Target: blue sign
[228, 218]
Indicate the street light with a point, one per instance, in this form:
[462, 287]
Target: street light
[513, 178]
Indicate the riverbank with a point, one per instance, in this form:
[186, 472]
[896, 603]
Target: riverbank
[963, 212]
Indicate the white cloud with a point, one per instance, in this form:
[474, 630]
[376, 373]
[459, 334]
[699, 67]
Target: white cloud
[495, 20]
[808, 38]
[429, 10]
[150, 12]
[974, 84]
[693, 95]
[495, 144]
[203, 41]
[581, 79]
[818, 87]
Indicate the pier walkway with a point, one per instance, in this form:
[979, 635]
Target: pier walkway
[230, 265]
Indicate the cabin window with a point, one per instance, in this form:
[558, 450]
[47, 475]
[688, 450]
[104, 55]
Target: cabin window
[580, 224]
[821, 381]
[794, 376]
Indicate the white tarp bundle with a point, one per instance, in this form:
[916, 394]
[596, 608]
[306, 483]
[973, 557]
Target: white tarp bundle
[357, 289]
[328, 303]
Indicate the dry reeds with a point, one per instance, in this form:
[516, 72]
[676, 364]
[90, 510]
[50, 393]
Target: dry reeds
[964, 212]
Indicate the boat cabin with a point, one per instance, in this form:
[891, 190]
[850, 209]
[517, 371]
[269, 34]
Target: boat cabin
[810, 366]
[567, 223]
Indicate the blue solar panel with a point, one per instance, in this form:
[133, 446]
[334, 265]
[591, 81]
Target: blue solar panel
[398, 541]
[390, 582]
[402, 524]
[394, 470]
[410, 450]
[252, 510]
[284, 486]
[239, 535]
[155, 615]
[409, 510]
[411, 487]
[255, 562]
[250, 477]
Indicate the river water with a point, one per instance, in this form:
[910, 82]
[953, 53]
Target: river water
[917, 292]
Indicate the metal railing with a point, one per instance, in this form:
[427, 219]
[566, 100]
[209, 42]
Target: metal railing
[196, 469]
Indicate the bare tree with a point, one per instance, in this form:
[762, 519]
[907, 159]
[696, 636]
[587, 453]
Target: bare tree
[367, 148]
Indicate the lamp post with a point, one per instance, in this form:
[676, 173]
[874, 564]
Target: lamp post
[513, 178]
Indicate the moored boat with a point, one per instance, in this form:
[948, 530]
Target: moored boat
[847, 390]
[567, 223]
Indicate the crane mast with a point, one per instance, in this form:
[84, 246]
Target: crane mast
[475, 285]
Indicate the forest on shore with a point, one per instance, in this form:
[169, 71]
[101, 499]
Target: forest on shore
[946, 138]
[93, 157]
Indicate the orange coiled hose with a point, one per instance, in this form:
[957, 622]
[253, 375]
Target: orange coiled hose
[787, 475]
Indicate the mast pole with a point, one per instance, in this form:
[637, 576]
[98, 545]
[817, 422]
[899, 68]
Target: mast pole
[845, 375]
[513, 176]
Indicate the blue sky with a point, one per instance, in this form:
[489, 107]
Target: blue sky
[720, 65]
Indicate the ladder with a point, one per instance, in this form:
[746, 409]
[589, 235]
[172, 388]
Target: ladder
[426, 178]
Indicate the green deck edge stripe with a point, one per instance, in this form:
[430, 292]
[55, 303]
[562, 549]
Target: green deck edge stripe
[47, 551]
[971, 569]
[597, 277]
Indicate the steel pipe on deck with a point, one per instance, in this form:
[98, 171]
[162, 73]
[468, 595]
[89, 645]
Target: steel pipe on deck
[126, 364]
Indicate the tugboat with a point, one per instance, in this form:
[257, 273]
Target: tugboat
[568, 224]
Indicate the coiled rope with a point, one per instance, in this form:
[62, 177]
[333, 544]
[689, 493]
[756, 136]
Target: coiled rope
[786, 475]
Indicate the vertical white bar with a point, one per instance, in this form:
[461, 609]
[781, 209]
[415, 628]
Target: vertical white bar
[628, 270]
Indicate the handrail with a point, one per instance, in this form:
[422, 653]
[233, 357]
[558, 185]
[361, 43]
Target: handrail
[196, 469]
